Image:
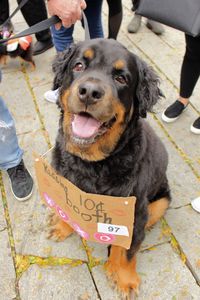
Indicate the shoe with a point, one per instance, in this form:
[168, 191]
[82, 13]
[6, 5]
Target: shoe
[52, 95]
[41, 47]
[156, 27]
[135, 24]
[196, 204]
[21, 182]
[173, 112]
[195, 127]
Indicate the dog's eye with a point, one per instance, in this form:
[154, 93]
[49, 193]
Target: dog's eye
[78, 67]
[121, 79]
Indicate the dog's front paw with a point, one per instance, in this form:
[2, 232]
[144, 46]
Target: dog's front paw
[125, 279]
[58, 230]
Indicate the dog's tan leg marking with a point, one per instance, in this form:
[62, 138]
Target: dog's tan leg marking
[3, 59]
[59, 230]
[33, 67]
[156, 210]
[122, 271]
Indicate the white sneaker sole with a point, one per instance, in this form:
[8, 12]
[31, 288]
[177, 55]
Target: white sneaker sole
[196, 204]
[170, 120]
[194, 130]
[50, 98]
[25, 198]
[22, 199]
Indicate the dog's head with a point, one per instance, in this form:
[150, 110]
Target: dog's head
[104, 87]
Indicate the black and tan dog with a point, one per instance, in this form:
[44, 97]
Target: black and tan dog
[20, 47]
[104, 146]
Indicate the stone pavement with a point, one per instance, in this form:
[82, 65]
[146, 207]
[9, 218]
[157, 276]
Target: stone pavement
[34, 268]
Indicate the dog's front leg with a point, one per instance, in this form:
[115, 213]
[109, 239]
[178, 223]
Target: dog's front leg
[121, 264]
[122, 270]
[58, 230]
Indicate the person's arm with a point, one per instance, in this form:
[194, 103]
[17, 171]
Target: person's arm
[69, 11]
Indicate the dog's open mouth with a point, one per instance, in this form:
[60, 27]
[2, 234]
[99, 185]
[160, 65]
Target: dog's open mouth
[86, 129]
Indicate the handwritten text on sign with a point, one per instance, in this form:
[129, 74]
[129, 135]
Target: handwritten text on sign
[98, 218]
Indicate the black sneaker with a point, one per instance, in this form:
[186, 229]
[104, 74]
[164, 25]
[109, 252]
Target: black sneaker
[195, 127]
[21, 182]
[174, 111]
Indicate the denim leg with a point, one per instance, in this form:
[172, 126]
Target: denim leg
[10, 152]
[93, 15]
[62, 38]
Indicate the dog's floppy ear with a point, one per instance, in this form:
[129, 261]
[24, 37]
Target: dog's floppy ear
[60, 64]
[148, 91]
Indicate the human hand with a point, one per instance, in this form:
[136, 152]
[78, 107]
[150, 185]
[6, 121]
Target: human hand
[69, 11]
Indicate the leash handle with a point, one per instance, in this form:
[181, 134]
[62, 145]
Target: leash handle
[86, 27]
[33, 29]
[44, 25]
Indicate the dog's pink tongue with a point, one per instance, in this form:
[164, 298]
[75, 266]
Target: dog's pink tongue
[85, 126]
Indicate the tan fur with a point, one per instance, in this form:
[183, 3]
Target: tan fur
[58, 230]
[105, 143]
[122, 271]
[156, 210]
[119, 64]
[89, 53]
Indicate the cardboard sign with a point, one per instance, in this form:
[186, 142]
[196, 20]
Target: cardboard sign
[98, 218]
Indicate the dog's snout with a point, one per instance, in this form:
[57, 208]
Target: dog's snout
[90, 92]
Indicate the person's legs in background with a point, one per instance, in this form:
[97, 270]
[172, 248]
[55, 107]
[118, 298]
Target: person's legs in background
[135, 23]
[34, 11]
[93, 13]
[4, 14]
[190, 72]
[4, 11]
[11, 156]
[114, 18]
[62, 38]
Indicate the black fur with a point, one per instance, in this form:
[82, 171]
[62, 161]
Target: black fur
[138, 164]
[26, 55]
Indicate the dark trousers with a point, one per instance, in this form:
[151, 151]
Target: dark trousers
[190, 70]
[114, 18]
[33, 12]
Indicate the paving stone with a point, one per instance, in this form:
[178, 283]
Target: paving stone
[20, 103]
[60, 283]
[164, 276]
[185, 225]
[7, 271]
[49, 112]
[43, 71]
[104, 287]
[183, 188]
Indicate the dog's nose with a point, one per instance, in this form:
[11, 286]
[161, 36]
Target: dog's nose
[90, 92]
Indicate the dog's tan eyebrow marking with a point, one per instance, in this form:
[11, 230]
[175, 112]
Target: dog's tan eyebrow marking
[119, 64]
[89, 53]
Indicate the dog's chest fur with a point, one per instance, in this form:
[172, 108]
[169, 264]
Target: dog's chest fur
[122, 173]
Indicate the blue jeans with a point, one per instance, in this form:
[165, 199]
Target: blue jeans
[10, 152]
[63, 37]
